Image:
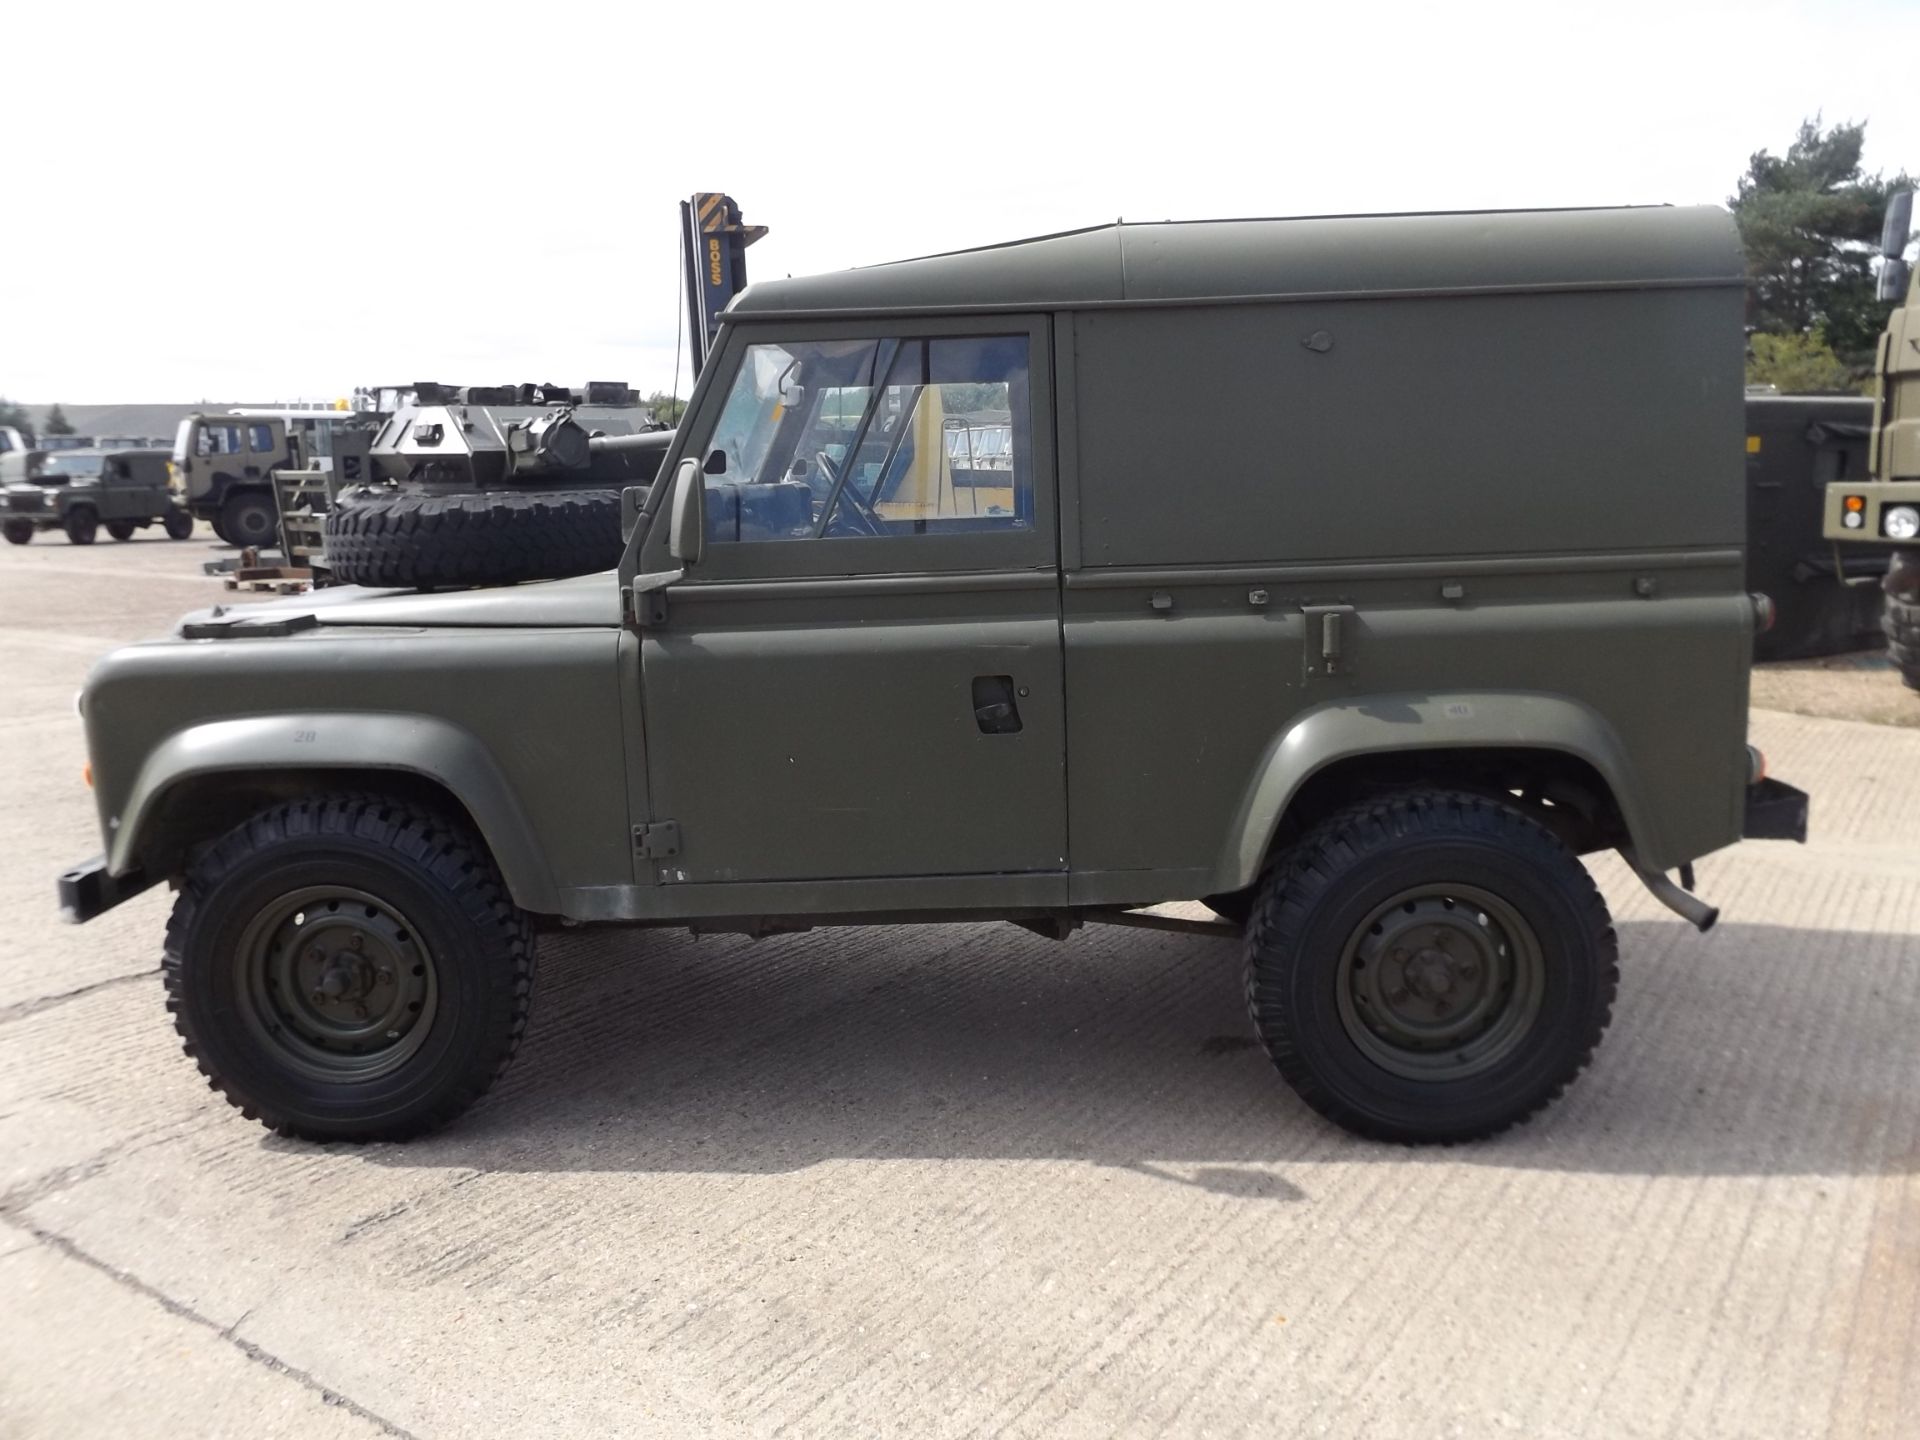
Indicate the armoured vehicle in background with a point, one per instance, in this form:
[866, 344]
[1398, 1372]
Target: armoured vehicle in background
[1824, 601]
[485, 485]
[81, 491]
[1361, 682]
[1881, 508]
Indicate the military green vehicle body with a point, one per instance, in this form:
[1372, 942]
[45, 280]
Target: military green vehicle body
[80, 491]
[1295, 513]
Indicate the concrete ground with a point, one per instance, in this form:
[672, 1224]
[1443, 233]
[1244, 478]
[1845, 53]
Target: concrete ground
[963, 1181]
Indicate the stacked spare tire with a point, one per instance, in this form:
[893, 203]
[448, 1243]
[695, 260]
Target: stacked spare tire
[490, 486]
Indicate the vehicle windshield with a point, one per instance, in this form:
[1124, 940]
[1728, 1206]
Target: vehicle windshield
[68, 466]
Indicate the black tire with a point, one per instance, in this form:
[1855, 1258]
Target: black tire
[483, 538]
[81, 525]
[1901, 622]
[219, 528]
[121, 529]
[1388, 1063]
[438, 969]
[249, 520]
[177, 523]
[18, 532]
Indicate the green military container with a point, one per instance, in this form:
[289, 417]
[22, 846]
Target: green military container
[1352, 576]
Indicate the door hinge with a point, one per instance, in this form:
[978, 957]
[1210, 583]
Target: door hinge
[658, 841]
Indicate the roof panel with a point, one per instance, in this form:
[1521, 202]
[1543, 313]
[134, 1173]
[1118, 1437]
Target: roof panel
[1277, 259]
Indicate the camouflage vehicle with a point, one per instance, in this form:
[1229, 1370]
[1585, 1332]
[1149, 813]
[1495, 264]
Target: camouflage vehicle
[1302, 568]
[1882, 507]
[80, 491]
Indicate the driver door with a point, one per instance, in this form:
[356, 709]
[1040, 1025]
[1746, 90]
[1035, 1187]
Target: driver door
[861, 677]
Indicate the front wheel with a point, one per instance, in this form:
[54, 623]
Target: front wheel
[81, 525]
[1430, 967]
[18, 532]
[177, 523]
[348, 968]
[1901, 621]
[248, 520]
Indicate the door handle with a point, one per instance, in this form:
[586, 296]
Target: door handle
[994, 709]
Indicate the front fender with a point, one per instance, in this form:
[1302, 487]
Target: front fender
[422, 745]
[1386, 724]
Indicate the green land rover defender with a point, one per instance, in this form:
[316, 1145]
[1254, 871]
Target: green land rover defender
[1351, 576]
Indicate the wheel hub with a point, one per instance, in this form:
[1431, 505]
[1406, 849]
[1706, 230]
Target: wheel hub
[338, 981]
[1440, 982]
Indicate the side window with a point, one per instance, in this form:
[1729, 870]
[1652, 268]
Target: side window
[260, 438]
[218, 440]
[884, 438]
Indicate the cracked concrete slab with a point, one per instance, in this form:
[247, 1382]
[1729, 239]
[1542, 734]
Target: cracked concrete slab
[965, 1181]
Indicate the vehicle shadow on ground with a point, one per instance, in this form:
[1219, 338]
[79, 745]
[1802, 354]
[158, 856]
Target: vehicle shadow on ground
[1751, 1051]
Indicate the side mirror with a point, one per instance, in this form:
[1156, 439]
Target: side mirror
[687, 534]
[1894, 235]
[717, 463]
[1893, 279]
[633, 500]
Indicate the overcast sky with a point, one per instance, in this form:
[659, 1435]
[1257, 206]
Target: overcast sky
[285, 201]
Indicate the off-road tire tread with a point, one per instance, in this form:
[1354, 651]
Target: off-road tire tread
[448, 854]
[1900, 620]
[480, 538]
[1303, 872]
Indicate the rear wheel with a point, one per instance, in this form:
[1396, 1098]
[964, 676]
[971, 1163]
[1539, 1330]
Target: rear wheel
[18, 532]
[178, 524]
[1430, 967]
[81, 525]
[121, 529]
[348, 969]
[1901, 622]
[248, 520]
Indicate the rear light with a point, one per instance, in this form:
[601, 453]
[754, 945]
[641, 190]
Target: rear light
[1764, 613]
[1756, 765]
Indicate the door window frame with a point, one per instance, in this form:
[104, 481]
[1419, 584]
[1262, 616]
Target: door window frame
[1033, 548]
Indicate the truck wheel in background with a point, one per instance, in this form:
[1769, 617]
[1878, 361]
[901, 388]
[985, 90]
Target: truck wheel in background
[18, 532]
[178, 524]
[1901, 621]
[121, 529]
[348, 968]
[476, 538]
[81, 524]
[248, 519]
[1432, 966]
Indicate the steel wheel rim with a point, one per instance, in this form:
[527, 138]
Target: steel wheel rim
[1441, 982]
[336, 983]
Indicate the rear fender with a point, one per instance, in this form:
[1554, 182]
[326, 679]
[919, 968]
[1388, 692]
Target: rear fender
[1389, 724]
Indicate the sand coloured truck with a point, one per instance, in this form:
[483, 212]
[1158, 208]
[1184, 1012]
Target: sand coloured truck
[1351, 575]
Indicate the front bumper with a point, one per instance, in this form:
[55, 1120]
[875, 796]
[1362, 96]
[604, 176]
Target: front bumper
[88, 890]
[1775, 811]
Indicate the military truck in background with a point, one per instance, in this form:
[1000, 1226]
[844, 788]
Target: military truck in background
[1881, 507]
[1361, 682]
[1825, 600]
[82, 491]
[226, 463]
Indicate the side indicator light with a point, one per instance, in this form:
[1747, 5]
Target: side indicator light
[86, 774]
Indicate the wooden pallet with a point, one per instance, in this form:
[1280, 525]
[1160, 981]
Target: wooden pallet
[274, 579]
